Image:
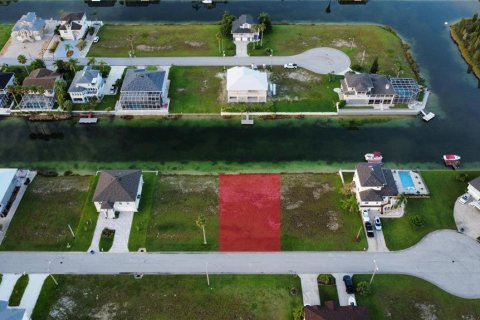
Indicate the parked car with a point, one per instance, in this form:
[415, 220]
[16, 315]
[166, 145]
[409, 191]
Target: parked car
[352, 301]
[290, 66]
[378, 223]
[465, 198]
[254, 67]
[369, 228]
[366, 215]
[96, 39]
[348, 284]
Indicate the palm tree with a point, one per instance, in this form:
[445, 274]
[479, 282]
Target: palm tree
[130, 38]
[401, 200]
[262, 28]
[68, 47]
[102, 64]
[200, 222]
[255, 28]
[59, 87]
[350, 204]
[13, 90]
[92, 61]
[23, 60]
[73, 64]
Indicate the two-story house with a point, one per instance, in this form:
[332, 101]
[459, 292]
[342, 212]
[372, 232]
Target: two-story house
[73, 25]
[6, 80]
[242, 29]
[29, 28]
[86, 84]
[374, 186]
[246, 85]
[41, 94]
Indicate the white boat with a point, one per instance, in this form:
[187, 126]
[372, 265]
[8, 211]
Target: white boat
[451, 157]
[207, 1]
[374, 157]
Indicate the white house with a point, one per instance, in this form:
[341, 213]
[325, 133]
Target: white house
[246, 85]
[474, 190]
[117, 191]
[6, 80]
[8, 182]
[374, 186]
[29, 28]
[242, 29]
[73, 25]
[86, 84]
[44, 99]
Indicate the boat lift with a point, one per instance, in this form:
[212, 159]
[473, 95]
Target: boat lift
[427, 116]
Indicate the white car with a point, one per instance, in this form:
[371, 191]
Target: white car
[352, 301]
[378, 223]
[366, 215]
[290, 66]
[465, 198]
[254, 67]
[96, 39]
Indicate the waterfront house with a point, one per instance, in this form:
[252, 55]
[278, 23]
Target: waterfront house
[246, 85]
[242, 29]
[474, 190]
[6, 80]
[73, 25]
[8, 183]
[87, 84]
[374, 186]
[42, 94]
[29, 28]
[377, 90]
[144, 90]
[117, 191]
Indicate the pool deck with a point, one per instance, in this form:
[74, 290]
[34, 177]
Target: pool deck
[420, 186]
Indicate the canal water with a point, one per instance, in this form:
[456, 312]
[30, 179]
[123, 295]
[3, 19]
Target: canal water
[456, 98]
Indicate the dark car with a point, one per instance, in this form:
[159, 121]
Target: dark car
[349, 284]
[369, 228]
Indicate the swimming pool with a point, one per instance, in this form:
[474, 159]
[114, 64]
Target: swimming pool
[406, 179]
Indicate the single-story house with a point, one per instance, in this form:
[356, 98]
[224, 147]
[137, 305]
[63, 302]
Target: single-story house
[42, 93]
[73, 25]
[331, 310]
[86, 84]
[29, 28]
[144, 90]
[377, 90]
[374, 186]
[118, 190]
[6, 80]
[474, 188]
[8, 182]
[242, 29]
[246, 85]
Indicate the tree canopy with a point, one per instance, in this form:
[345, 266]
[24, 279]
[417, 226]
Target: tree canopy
[226, 24]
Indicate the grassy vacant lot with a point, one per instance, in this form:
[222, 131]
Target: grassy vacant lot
[154, 40]
[312, 217]
[195, 89]
[436, 211]
[5, 31]
[47, 208]
[303, 90]
[375, 40]
[177, 202]
[404, 297]
[169, 297]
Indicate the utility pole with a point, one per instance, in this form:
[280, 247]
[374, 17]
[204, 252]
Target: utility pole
[206, 272]
[363, 57]
[71, 231]
[374, 272]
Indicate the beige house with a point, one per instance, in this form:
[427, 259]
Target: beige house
[246, 85]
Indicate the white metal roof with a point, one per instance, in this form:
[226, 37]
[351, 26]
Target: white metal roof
[242, 78]
[6, 177]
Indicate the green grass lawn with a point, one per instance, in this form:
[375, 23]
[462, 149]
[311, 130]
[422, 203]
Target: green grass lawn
[169, 297]
[436, 211]
[141, 219]
[107, 104]
[312, 217]
[195, 89]
[5, 31]
[375, 40]
[177, 202]
[106, 242]
[405, 297]
[302, 90]
[47, 208]
[153, 40]
[18, 290]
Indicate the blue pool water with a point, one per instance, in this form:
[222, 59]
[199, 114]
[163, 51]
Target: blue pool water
[406, 179]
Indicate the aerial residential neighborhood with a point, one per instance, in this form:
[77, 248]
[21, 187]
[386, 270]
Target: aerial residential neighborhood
[296, 160]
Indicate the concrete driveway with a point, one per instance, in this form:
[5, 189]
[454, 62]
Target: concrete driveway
[343, 296]
[122, 226]
[310, 293]
[468, 218]
[241, 49]
[115, 74]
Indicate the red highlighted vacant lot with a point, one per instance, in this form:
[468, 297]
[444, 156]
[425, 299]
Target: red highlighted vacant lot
[249, 212]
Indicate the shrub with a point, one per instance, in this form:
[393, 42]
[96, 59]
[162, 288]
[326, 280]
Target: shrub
[109, 233]
[91, 31]
[416, 221]
[357, 67]
[68, 173]
[363, 288]
[326, 279]
[342, 104]
[47, 173]
[462, 177]
[81, 44]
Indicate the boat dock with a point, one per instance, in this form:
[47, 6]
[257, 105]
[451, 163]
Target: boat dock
[427, 116]
[88, 120]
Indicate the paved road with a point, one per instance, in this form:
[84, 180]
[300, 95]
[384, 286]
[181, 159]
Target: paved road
[446, 258]
[319, 60]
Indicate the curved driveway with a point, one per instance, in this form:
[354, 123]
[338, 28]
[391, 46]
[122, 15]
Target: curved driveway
[446, 258]
[319, 60]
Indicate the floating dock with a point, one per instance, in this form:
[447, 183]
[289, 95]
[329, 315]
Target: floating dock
[88, 120]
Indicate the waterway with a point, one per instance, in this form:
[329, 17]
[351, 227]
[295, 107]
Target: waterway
[456, 98]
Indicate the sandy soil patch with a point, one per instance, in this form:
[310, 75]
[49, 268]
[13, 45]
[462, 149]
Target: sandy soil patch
[54, 185]
[195, 44]
[427, 311]
[143, 47]
[333, 223]
[64, 306]
[106, 312]
[343, 43]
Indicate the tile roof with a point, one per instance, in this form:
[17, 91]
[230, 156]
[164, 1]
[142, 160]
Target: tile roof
[41, 77]
[333, 311]
[243, 78]
[475, 183]
[117, 186]
[370, 175]
[5, 78]
[141, 80]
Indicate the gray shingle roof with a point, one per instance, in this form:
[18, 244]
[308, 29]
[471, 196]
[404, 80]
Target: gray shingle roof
[388, 190]
[378, 84]
[475, 183]
[72, 16]
[41, 77]
[371, 196]
[5, 78]
[84, 76]
[371, 175]
[30, 22]
[381, 85]
[244, 18]
[141, 80]
[117, 186]
[361, 82]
